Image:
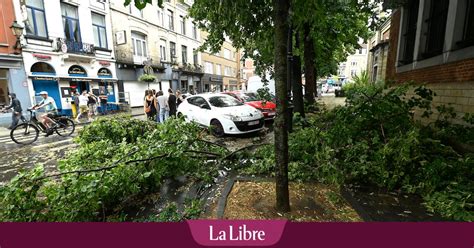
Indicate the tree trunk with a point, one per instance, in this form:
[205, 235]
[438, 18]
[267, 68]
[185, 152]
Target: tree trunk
[297, 82]
[281, 122]
[309, 67]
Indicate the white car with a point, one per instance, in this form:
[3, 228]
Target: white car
[223, 113]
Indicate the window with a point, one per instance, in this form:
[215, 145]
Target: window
[209, 67]
[139, 45]
[195, 57]
[435, 28]
[194, 31]
[354, 63]
[218, 69]
[227, 53]
[184, 54]
[468, 28]
[161, 18]
[170, 20]
[409, 35]
[36, 22]
[182, 21]
[163, 50]
[227, 71]
[353, 73]
[173, 51]
[72, 30]
[134, 11]
[100, 31]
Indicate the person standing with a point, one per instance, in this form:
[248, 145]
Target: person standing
[172, 103]
[92, 103]
[103, 102]
[179, 98]
[15, 105]
[75, 103]
[163, 106]
[83, 106]
[150, 106]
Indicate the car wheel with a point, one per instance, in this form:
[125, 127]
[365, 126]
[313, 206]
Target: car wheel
[217, 129]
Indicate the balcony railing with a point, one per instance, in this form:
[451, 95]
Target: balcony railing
[68, 46]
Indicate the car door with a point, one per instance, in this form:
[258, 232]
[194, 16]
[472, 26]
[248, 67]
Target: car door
[202, 109]
[190, 111]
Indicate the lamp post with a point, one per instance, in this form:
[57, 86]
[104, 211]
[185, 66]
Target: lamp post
[17, 30]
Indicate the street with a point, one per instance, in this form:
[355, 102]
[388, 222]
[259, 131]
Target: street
[48, 150]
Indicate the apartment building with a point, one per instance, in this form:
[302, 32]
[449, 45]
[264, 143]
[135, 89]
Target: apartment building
[164, 38]
[222, 69]
[66, 47]
[355, 64]
[12, 73]
[378, 46]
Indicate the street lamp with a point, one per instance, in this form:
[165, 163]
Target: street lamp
[17, 30]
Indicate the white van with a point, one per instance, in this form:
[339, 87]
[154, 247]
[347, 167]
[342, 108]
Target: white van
[254, 83]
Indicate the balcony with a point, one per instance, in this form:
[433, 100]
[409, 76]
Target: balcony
[68, 46]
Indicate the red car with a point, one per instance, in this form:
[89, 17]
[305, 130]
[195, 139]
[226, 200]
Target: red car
[267, 108]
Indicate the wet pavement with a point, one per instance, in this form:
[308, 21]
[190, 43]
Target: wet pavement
[46, 151]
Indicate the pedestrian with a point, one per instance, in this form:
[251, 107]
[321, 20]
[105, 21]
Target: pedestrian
[15, 105]
[83, 106]
[162, 106]
[75, 104]
[172, 103]
[103, 102]
[179, 98]
[92, 103]
[150, 106]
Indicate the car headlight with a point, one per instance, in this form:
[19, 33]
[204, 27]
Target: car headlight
[233, 117]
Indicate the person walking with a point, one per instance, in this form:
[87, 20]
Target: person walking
[162, 106]
[172, 103]
[83, 106]
[150, 106]
[15, 105]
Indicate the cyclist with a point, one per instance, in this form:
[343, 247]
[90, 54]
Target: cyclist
[51, 109]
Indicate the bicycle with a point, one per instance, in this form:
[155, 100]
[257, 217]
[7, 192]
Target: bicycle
[28, 132]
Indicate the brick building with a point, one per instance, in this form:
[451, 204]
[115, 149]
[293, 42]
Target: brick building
[12, 73]
[432, 42]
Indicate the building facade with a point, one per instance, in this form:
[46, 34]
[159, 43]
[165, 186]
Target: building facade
[222, 69]
[12, 73]
[66, 47]
[378, 46]
[432, 42]
[164, 38]
[355, 64]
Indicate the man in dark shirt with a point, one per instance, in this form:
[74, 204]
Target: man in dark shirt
[15, 104]
[172, 103]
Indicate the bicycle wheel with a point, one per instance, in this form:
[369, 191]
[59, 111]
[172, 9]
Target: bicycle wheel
[24, 134]
[66, 127]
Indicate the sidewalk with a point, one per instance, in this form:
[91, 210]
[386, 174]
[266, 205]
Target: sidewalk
[6, 118]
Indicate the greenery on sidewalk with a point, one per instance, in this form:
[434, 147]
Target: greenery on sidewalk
[119, 160]
[374, 140]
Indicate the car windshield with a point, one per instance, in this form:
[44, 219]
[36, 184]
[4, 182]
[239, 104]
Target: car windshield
[249, 97]
[224, 101]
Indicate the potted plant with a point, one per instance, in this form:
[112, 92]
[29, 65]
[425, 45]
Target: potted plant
[147, 78]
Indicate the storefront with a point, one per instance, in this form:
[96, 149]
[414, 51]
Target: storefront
[212, 83]
[66, 78]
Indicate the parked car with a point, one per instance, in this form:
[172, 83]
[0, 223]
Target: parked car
[223, 113]
[268, 109]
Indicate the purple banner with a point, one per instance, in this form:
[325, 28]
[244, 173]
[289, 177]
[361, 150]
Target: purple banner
[367, 235]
